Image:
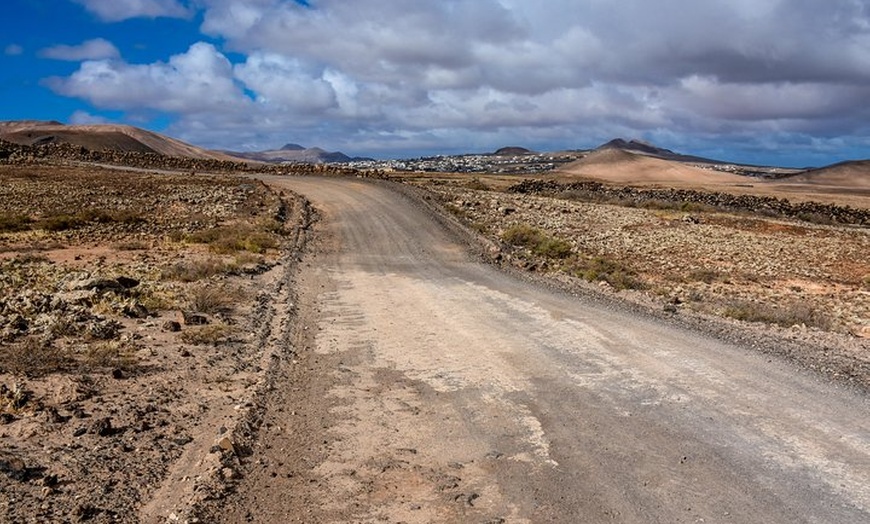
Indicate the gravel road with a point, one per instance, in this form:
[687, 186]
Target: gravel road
[429, 387]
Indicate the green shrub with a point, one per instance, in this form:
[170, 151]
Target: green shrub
[537, 241]
[602, 269]
[232, 239]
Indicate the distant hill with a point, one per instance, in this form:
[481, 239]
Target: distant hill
[852, 174]
[294, 153]
[611, 164]
[100, 137]
[513, 151]
[645, 148]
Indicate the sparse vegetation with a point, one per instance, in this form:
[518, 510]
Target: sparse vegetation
[33, 357]
[785, 315]
[13, 222]
[230, 239]
[109, 354]
[212, 334]
[537, 241]
[212, 299]
[602, 269]
[476, 184]
[707, 276]
[195, 270]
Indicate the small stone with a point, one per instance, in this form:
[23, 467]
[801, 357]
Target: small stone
[226, 444]
[171, 326]
[102, 427]
[193, 319]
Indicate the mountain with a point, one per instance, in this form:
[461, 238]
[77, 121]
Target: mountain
[99, 137]
[294, 153]
[644, 148]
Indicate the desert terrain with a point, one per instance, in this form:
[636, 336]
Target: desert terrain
[619, 340]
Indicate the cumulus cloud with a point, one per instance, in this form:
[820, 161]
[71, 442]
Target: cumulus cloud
[84, 118]
[96, 49]
[286, 83]
[118, 10]
[409, 73]
[198, 80]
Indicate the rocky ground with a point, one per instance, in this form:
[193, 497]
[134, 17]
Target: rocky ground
[139, 311]
[135, 316]
[800, 281]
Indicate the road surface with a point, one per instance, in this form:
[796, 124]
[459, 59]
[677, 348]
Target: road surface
[429, 387]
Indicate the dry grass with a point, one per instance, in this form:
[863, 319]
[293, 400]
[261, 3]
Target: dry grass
[212, 334]
[212, 299]
[112, 354]
[785, 315]
[231, 239]
[195, 270]
[476, 184]
[33, 358]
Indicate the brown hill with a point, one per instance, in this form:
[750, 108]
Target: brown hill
[616, 165]
[99, 137]
[845, 175]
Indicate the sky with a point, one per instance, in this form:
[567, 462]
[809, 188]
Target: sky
[777, 82]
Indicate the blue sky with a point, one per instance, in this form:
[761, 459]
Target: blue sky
[783, 82]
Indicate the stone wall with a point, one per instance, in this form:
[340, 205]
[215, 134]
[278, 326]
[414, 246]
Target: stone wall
[763, 205]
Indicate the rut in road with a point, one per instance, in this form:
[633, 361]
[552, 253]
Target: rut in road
[428, 387]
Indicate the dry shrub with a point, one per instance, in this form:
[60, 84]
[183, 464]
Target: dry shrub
[33, 358]
[131, 245]
[476, 184]
[113, 354]
[708, 276]
[14, 222]
[193, 271]
[785, 315]
[211, 299]
[212, 334]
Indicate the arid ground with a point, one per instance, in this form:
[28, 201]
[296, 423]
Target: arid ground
[208, 348]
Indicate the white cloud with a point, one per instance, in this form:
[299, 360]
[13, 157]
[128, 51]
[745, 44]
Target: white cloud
[411, 73]
[199, 80]
[118, 10]
[96, 49]
[85, 118]
[13, 50]
[285, 83]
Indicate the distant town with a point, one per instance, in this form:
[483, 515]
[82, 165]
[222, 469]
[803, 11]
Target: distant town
[523, 162]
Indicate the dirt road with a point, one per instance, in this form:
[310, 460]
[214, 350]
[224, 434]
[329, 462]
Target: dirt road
[428, 387]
